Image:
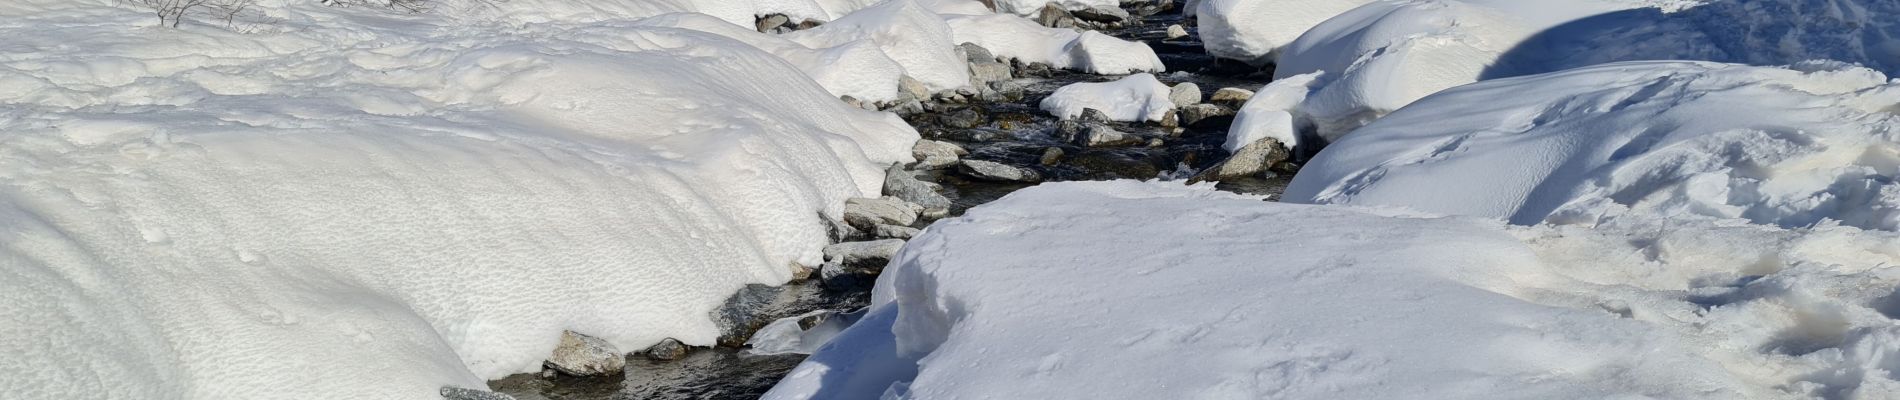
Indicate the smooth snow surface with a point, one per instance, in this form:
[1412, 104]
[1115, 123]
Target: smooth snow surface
[346, 203]
[1138, 97]
[1154, 290]
[1087, 51]
[1385, 55]
[909, 33]
[1253, 31]
[1785, 147]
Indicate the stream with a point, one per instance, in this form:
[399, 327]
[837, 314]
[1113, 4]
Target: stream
[1015, 133]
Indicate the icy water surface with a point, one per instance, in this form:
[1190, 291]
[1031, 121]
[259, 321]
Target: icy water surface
[1017, 134]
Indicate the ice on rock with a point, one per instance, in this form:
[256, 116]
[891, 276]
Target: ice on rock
[1187, 293]
[1138, 97]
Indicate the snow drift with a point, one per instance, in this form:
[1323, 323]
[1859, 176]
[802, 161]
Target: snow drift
[1193, 293]
[1252, 31]
[1385, 55]
[1138, 97]
[347, 204]
[1786, 147]
[1012, 37]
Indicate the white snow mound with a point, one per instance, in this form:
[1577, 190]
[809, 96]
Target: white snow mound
[1088, 51]
[1253, 31]
[343, 203]
[1787, 147]
[1138, 97]
[1194, 293]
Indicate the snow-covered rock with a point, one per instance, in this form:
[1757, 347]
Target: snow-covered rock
[1011, 37]
[345, 196]
[1138, 97]
[908, 33]
[1253, 31]
[1194, 293]
[1786, 147]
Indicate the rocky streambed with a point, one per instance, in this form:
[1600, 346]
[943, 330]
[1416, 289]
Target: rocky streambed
[979, 146]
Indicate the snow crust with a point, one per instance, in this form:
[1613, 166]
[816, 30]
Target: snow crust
[1785, 147]
[1385, 55]
[1187, 292]
[1010, 36]
[1138, 97]
[344, 203]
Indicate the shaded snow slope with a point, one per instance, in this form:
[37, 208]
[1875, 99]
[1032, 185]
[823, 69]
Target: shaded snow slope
[1154, 290]
[347, 204]
[1387, 54]
[1787, 147]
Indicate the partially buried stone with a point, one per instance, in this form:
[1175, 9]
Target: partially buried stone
[667, 350]
[583, 355]
[456, 393]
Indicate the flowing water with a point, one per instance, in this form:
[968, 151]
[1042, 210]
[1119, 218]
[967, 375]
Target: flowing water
[1017, 134]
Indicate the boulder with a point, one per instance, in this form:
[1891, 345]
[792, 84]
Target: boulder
[998, 172]
[754, 306]
[1185, 94]
[1010, 89]
[1253, 160]
[976, 54]
[1231, 97]
[1090, 115]
[1102, 135]
[1054, 16]
[916, 89]
[582, 355]
[1195, 113]
[989, 71]
[894, 232]
[903, 185]
[1102, 14]
[667, 350]
[866, 214]
[963, 119]
[931, 148]
[1177, 31]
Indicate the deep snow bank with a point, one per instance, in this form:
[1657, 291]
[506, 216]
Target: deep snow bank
[1385, 55]
[1253, 31]
[346, 204]
[1009, 37]
[1787, 147]
[1138, 97]
[1154, 290]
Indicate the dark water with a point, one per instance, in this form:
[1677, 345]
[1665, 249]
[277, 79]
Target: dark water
[1017, 134]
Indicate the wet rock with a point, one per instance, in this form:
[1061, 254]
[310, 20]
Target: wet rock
[1185, 94]
[767, 24]
[907, 107]
[667, 350]
[916, 89]
[1170, 119]
[812, 320]
[456, 393]
[1231, 97]
[964, 119]
[903, 185]
[1253, 160]
[866, 214]
[855, 265]
[931, 148]
[976, 54]
[1051, 156]
[751, 308]
[1177, 31]
[990, 71]
[800, 272]
[1110, 165]
[1102, 135]
[1031, 69]
[1011, 90]
[999, 172]
[1102, 14]
[582, 355]
[883, 231]
[1055, 16]
[1193, 114]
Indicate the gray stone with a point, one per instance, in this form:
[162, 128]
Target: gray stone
[931, 148]
[863, 255]
[993, 171]
[1231, 97]
[976, 54]
[894, 232]
[990, 71]
[866, 214]
[934, 162]
[583, 355]
[1054, 16]
[667, 350]
[1102, 14]
[903, 185]
[908, 107]
[852, 101]
[1051, 156]
[1090, 115]
[1010, 89]
[1185, 94]
[1195, 113]
[456, 393]
[770, 22]
[962, 119]
[1032, 69]
[1170, 119]
[907, 85]
[800, 272]
[808, 24]
[1101, 135]
[1253, 160]
[1177, 31]
[754, 306]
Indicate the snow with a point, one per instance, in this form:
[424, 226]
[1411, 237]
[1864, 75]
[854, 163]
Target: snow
[856, 68]
[1009, 37]
[1138, 97]
[909, 33]
[1776, 146]
[1275, 112]
[1131, 289]
[334, 197]
[737, 12]
[1029, 8]
[1385, 55]
[1253, 31]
